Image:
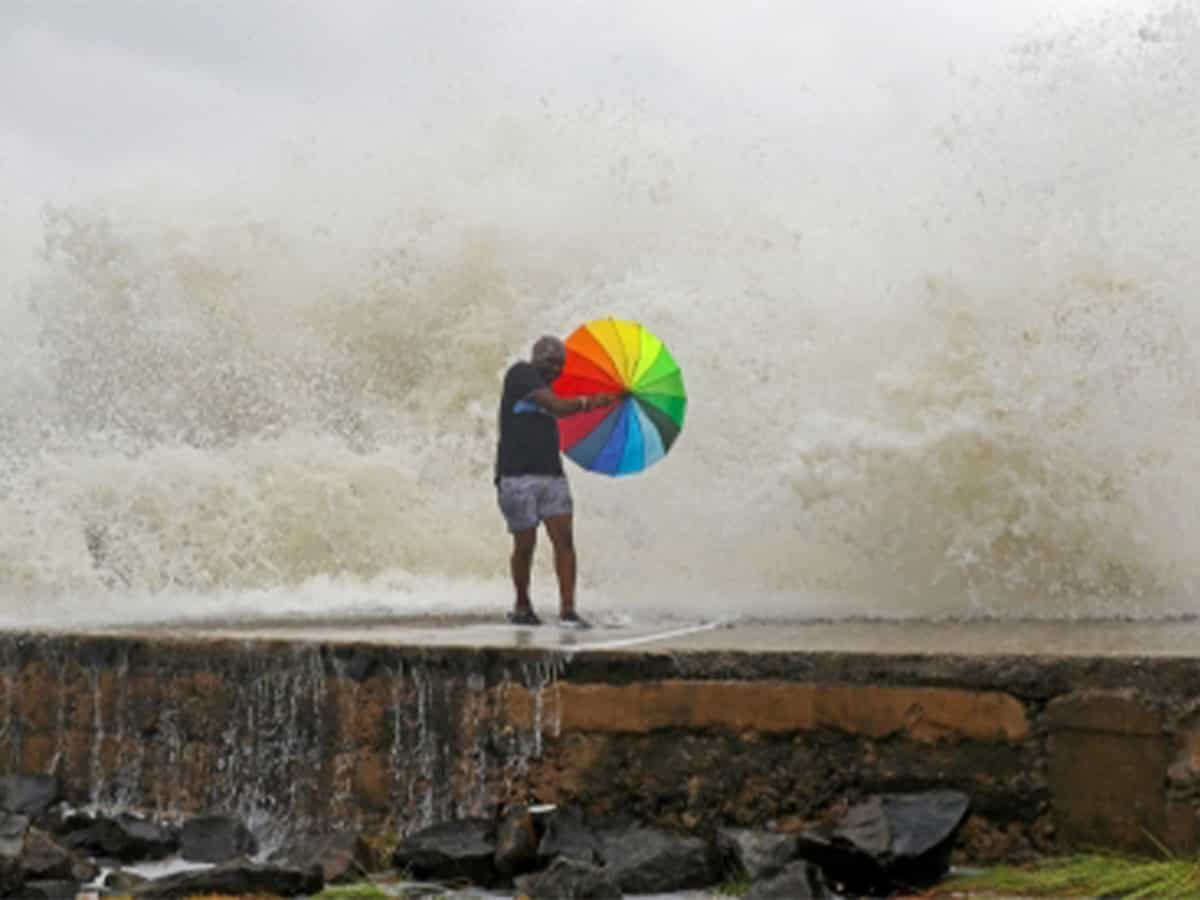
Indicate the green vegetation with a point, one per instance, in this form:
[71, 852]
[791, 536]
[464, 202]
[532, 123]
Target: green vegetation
[734, 886]
[1086, 875]
[362, 890]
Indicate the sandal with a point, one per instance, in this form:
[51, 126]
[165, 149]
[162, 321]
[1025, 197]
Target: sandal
[574, 620]
[523, 617]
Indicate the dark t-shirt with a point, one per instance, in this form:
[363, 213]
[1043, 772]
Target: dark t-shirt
[528, 434]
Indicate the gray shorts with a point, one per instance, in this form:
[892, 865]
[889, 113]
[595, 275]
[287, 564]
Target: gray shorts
[526, 500]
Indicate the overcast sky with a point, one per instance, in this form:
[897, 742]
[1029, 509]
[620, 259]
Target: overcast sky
[95, 86]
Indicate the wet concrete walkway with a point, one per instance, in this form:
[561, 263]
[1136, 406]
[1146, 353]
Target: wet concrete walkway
[1175, 638]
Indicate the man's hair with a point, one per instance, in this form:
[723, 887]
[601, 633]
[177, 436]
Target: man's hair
[548, 349]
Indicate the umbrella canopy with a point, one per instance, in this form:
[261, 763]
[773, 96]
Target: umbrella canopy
[615, 356]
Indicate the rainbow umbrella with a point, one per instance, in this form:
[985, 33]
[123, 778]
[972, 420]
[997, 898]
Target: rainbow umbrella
[614, 356]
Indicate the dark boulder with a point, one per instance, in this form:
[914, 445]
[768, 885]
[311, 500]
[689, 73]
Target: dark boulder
[758, 854]
[125, 838]
[889, 842]
[147, 839]
[651, 861]
[28, 795]
[799, 880]
[215, 839]
[343, 857]
[516, 843]
[120, 881]
[13, 831]
[569, 879]
[566, 834]
[925, 825]
[50, 890]
[237, 877]
[44, 859]
[465, 849]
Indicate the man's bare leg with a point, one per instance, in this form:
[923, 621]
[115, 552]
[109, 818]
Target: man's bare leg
[521, 564]
[562, 536]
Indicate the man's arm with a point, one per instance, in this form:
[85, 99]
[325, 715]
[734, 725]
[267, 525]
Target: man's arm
[568, 406]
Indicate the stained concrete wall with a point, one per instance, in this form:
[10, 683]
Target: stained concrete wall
[1054, 752]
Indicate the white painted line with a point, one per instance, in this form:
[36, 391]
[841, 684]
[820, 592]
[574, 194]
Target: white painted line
[621, 643]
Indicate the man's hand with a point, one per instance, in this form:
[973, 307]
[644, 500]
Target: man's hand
[569, 406]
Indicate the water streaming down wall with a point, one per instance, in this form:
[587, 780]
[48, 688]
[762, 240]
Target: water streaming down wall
[291, 738]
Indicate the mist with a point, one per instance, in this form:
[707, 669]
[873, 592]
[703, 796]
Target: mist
[926, 270]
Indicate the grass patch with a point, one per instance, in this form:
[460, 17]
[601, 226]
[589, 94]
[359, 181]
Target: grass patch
[1087, 875]
[366, 890]
[362, 890]
[734, 886]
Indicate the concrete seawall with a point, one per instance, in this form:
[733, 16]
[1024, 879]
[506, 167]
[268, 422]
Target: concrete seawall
[377, 730]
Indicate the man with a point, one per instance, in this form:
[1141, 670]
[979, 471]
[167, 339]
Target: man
[531, 486]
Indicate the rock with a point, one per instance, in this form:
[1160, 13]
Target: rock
[53, 820]
[462, 849]
[50, 890]
[44, 859]
[28, 795]
[516, 843]
[13, 829]
[344, 857]
[848, 869]
[100, 836]
[125, 838]
[890, 842]
[566, 835]
[121, 881]
[910, 835]
[925, 824]
[238, 877]
[758, 854]
[569, 879]
[215, 839]
[799, 880]
[650, 861]
[147, 839]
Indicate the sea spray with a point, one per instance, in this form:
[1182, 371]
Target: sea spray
[934, 311]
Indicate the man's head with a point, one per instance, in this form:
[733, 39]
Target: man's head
[548, 356]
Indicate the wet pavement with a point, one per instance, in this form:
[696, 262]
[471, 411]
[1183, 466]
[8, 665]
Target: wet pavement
[1174, 638]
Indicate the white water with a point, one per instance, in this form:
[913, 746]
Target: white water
[933, 298]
